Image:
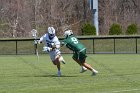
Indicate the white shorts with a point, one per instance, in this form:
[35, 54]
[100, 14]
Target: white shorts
[54, 53]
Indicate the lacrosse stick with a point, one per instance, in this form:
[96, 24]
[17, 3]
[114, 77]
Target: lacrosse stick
[34, 34]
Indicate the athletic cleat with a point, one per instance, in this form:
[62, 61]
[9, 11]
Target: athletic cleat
[94, 73]
[59, 73]
[83, 69]
[63, 62]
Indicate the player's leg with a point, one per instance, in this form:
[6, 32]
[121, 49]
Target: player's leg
[82, 58]
[61, 59]
[55, 61]
[75, 58]
[58, 59]
[89, 67]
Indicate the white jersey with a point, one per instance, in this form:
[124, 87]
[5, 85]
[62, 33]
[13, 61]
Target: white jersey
[48, 43]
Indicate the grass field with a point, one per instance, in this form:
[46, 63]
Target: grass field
[119, 73]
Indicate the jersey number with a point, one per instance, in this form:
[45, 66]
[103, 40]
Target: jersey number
[49, 44]
[74, 40]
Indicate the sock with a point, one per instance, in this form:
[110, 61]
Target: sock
[61, 59]
[93, 70]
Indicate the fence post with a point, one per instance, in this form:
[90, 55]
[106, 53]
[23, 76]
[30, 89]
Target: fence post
[136, 46]
[93, 46]
[16, 47]
[114, 46]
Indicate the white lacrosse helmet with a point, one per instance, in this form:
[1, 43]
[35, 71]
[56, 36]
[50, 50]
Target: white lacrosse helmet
[51, 32]
[68, 33]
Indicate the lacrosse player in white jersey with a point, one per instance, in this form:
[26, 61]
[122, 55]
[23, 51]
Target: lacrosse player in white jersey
[52, 46]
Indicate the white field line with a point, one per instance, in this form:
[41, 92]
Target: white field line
[119, 91]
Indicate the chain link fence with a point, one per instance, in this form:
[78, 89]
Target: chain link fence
[94, 45]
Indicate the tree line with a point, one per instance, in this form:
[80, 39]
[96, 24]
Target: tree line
[19, 17]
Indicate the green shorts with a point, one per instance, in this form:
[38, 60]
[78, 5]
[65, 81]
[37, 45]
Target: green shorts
[81, 56]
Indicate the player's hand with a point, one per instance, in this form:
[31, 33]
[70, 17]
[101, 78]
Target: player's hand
[48, 49]
[62, 44]
[53, 45]
[38, 41]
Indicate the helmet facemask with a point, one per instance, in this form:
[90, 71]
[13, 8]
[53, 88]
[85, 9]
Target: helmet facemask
[51, 32]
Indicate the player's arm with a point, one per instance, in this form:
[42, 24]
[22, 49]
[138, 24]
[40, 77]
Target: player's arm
[50, 46]
[68, 46]
[55, 46]
[63, 43]
[56, 43]
[41, 39]
[47, 49]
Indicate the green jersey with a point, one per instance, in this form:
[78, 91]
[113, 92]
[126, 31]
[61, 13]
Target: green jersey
[73, 44]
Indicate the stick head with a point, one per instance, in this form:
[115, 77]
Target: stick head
[34, 33]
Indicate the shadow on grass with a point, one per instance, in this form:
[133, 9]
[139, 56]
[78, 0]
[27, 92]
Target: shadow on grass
[55, 76]
[48, 76]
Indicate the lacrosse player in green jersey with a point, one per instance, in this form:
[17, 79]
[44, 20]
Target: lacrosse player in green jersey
[79, 50]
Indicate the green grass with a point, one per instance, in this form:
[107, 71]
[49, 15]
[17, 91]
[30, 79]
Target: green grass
[119, 73]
